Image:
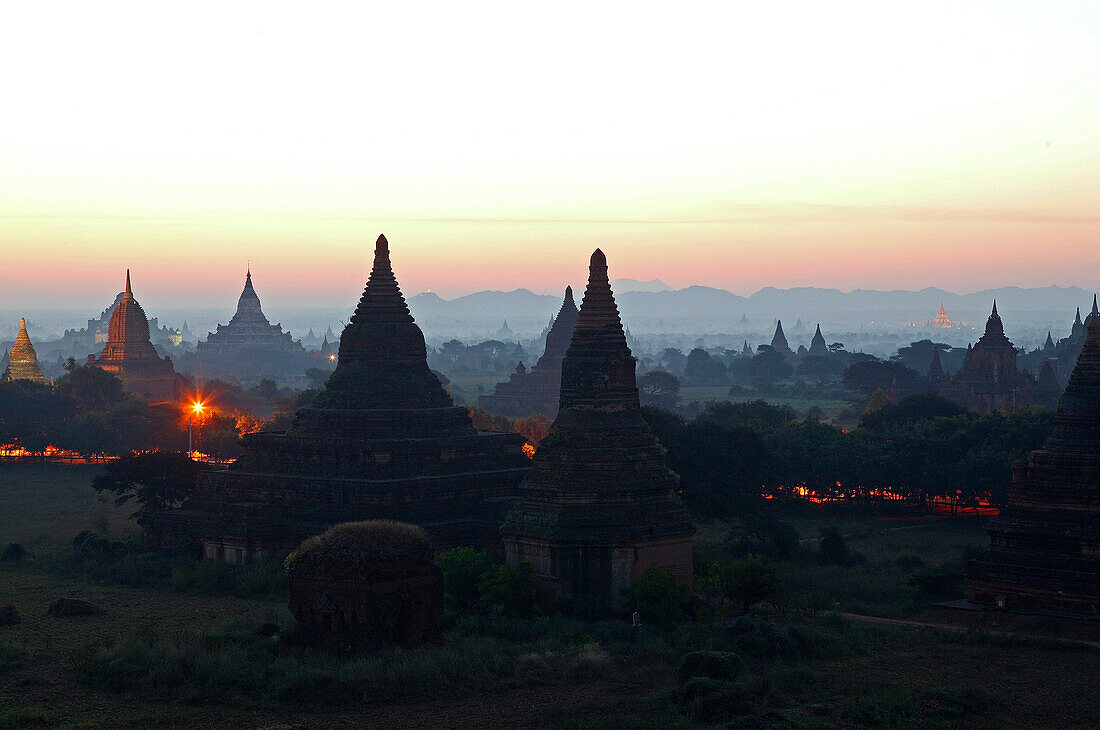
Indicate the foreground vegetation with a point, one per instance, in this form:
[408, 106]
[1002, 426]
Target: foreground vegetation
[185, 643]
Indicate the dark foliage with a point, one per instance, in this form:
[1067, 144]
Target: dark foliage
[156, 481]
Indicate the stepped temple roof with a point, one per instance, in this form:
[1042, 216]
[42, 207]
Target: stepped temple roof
[1045, 544]
[248, 329]
[23, 361]
[537, 390]
[382, 440]
[129, 354]
[600, 504]
[935, 367]
[989, 378]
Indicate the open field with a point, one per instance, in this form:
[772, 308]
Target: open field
[173, 659]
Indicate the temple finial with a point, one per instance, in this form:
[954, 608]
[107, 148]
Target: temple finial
[381, 245]
[569, 294]
[128, 292]
[995, 308]
[1094, 309]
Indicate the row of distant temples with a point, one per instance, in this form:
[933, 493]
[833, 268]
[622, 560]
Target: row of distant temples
[383, 439]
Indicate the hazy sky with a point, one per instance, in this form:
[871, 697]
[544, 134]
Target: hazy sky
[738, 145]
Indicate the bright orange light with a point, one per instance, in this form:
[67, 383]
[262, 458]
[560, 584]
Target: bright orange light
[332, 357]
[197, 407]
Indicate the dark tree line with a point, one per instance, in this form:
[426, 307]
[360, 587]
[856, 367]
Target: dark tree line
[733, 456]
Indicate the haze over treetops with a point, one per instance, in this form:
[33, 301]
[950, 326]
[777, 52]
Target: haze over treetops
[873, 145]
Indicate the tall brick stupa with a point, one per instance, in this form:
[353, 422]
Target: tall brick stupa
[600, 505]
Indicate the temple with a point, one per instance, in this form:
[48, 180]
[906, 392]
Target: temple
[248, 328]
[382, 440]
[130, 355]
[1045, 544]
[536, 390]
[942, 320]
[600, 505]
[818, 348]
[989, 379]
[23, 361]
[779, 340]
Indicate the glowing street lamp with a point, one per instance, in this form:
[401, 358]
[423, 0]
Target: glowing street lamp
[196, 410]
[332, 358]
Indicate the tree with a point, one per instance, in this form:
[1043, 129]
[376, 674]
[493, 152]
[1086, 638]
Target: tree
[769, 366]
[747, 581]
[91, 388]
[672, 360]
[533, 428]
[463, 568]
[659, 388]
[702, 369]
[510, 589]
[156, 481]
[657, 595]
[867, 376]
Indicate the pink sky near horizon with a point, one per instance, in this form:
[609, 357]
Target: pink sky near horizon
[856, 145]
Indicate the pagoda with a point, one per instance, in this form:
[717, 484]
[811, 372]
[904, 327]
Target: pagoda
[1045, 544]
[942, 320]
[536, 390]
[23, 361]
[600, 505]
[779, 340]
[382, 440]
[818, 348]
[989, 379]
[248, 329]
[129, 354]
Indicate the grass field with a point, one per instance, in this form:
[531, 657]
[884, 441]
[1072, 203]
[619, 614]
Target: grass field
[178, 660]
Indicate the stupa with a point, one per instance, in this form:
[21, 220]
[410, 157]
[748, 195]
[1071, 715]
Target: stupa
[1045, 544]
[779, 340]
[248, 329]
[989, 379]
[130, 355]
[382, 440]
[23, 361]
[818, 348]
[536, 390]
[600, 505]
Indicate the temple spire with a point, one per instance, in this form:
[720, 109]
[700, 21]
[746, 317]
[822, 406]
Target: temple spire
[127, 293]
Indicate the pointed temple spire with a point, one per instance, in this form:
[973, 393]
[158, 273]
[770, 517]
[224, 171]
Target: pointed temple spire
[818, 348]
[1045, 544]
[1094, 314]
[779, 340]
[1049, 344]
[600, 504]
[993, 326]
[23, 360]
[126, 292]
[382, 361]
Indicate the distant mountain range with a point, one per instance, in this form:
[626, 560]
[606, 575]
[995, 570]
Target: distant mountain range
[655, 304]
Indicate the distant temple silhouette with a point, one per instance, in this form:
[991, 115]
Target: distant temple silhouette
[248, 329]
[989, 379]
[537, 390]
[942, 320]
[129, 354]
[23, 360]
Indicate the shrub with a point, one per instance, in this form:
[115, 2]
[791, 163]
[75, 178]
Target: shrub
[373, 546]
[939, 583]
[708, 700]
[833, 548]
[509, 589]
[747, 582]
[14, 551]
[719, 665]
[657, 595]
[463, 568]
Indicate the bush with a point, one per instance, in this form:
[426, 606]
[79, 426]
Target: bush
[708, 700]
[747, 582]
[14, 551]
[939, 583]
[463, 569]
[509, 590]
[833, 548]
[658, 596]
[719, 665]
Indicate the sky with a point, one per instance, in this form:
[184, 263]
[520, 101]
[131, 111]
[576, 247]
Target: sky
[736, 145]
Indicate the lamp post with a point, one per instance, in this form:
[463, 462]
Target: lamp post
[196, 409]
